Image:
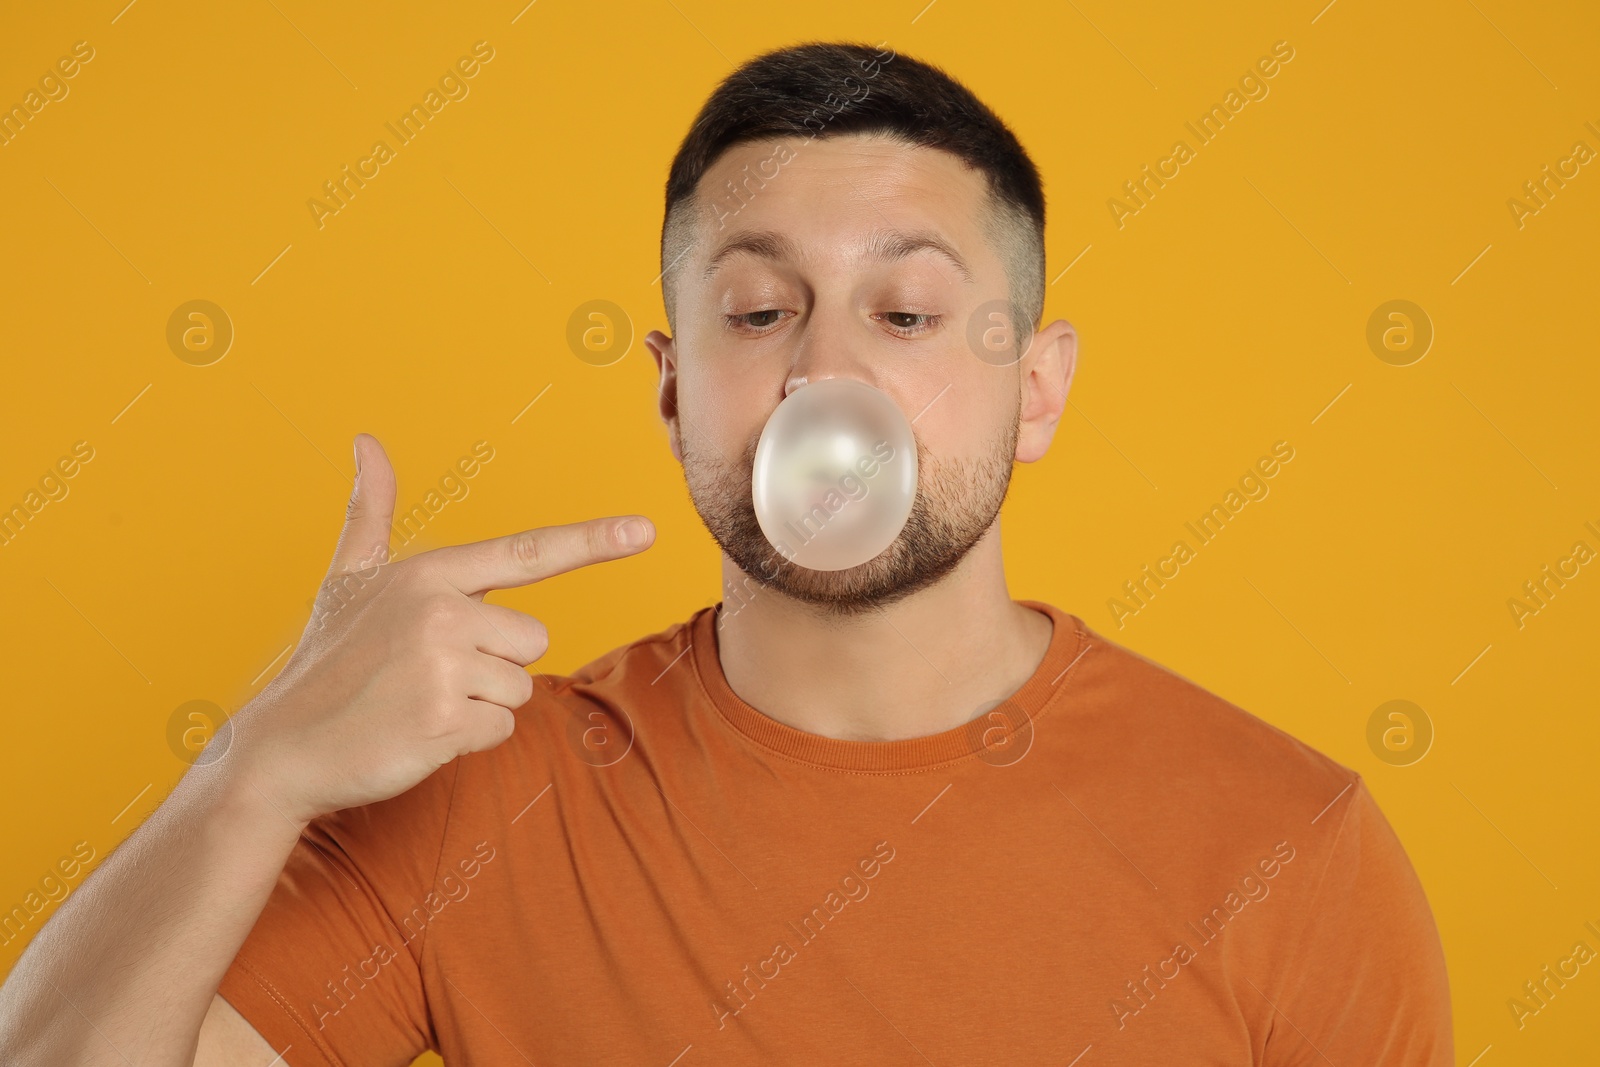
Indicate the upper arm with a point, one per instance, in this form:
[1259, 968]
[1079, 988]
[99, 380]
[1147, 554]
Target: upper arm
[228, 1040]
[1368, 983]
[332, 970]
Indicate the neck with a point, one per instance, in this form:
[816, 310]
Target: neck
[925, 664]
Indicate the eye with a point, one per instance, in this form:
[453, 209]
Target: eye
[918, 323]
[755, 321]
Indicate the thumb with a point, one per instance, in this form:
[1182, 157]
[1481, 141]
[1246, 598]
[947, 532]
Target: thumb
[364, 541]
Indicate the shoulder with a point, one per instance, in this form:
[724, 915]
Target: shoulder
[589, 718]
[623, 665]
[1190, 777]
[1234, 816]
[1175, 738]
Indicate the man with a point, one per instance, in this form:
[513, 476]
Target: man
[886, 814]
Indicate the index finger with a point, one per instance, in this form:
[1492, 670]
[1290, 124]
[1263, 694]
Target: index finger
[531, 555]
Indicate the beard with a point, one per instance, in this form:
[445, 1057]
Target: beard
[956, 503]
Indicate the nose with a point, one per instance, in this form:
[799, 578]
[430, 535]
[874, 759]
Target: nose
[826, 349]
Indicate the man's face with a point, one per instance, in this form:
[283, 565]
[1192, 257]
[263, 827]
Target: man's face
[833, 291]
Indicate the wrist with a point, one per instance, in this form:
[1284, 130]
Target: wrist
[249, 781]
[241, 800]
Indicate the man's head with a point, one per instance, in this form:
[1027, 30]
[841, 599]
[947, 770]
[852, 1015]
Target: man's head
[840, 210]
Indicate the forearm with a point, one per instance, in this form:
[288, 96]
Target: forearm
[125, 970]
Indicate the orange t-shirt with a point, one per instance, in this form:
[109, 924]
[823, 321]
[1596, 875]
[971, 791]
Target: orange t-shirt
[1114, 867]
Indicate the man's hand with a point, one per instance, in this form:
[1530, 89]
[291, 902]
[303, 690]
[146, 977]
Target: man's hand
[402, 669]
[403, 666]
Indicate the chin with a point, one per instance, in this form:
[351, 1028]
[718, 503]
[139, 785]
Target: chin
[956, 505]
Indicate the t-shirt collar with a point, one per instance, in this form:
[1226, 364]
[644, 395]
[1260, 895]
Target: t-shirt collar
[990, 736]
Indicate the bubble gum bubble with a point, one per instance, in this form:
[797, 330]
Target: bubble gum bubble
[835, 474]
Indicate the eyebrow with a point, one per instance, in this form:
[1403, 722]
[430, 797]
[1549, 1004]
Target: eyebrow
[884, 246]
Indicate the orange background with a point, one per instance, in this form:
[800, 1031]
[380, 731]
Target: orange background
[1230, 312]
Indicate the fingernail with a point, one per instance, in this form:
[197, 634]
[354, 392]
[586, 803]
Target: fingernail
[632, 533]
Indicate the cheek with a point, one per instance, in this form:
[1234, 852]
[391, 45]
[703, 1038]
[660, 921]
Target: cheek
[969, 421]
[723, 405]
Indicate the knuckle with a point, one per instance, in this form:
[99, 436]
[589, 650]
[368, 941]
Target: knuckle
[440, 614]
[439, 720]
[602, 542]
[493, 729]
[420, 571]
[373, 558]
[410, 567]
[405, 578]
[445, 671]
[528, 549]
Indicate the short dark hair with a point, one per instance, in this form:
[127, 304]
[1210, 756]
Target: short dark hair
[826, 89]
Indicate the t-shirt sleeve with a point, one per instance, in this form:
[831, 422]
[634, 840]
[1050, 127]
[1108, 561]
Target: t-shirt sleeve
[331, 973]
[1367, 983]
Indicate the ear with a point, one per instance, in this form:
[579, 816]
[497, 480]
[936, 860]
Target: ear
[1045, 375]
[664, 351]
